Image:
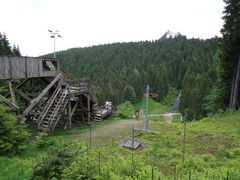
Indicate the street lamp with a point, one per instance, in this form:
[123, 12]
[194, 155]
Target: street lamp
[54, 35]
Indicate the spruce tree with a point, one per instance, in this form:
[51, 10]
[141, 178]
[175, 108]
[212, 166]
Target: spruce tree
[13, 137]
[230, 57]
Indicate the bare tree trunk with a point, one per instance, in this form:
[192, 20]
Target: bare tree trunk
[236, 86]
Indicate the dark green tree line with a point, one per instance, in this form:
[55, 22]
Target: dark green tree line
[230, 54]
[121, 71]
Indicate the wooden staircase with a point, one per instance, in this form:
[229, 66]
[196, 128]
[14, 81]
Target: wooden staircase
[103, 112]
[54, 108]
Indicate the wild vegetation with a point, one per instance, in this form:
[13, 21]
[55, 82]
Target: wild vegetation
[207, 71]
[211, 152]
[121, 71]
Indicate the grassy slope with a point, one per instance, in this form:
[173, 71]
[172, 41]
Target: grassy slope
[153, 107]
[212, 146]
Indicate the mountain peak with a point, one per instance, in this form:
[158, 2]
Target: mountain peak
[170, 35]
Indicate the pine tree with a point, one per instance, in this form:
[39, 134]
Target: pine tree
[12, 136]
[16, 51]
[129, 93]
[6, 49]
[6, 46]
[230, 57]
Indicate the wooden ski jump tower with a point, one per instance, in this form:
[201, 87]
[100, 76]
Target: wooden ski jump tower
[49, 97]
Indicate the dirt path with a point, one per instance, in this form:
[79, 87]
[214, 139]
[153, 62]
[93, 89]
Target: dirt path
[102, 135]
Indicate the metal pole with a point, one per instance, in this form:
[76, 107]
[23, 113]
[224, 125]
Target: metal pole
[152, 174]
[54, 35]
[54, 46]
[184, 140]
[90, 137]
[99, 163]
[147, 94]
[133, 150]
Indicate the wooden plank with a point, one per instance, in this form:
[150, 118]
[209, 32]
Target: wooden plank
[74, 108]
[88, 107]
[12, 92]
[18, 68]
[4, 68]
[18, 86]
[31, 67]
[69, 115]
[40, 67]
[23, 67]
[37, 99]
[9, 102]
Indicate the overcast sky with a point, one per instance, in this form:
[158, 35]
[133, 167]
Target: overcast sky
[92, 22]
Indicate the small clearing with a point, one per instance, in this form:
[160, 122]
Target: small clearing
[102, 135]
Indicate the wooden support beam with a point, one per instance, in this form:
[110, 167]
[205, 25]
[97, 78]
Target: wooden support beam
[18, 86]
[84, 108]
[88, 104]
[69, 115]
[13, 97]
[9, 102]
[37, 99]
[75, 121]
[74, 108]
[24, 96]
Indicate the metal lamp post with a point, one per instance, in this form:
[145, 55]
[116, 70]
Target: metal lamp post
[54, 34]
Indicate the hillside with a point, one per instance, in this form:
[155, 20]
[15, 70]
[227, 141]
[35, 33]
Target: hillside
[121, 71]
[153, 106]
[212, 152]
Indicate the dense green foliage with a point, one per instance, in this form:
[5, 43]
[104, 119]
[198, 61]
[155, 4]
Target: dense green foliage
[125, 110]
[230, 54]
[212, 152]
[43, 140]
[207, 74]
[53, 163]
[12, 136]
[121, 71]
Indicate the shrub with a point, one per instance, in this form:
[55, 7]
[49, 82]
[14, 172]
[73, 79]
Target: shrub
[13, 137]
[43, 140]
[125, 110]
[57, 159]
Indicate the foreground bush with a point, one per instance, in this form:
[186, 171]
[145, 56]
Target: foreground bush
[12, 136]
[125, 110]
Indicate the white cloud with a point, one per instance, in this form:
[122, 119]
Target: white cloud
[92, 22]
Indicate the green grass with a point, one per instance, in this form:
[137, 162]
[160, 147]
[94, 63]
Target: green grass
[153, 107]
[20, 166]
[212, 149]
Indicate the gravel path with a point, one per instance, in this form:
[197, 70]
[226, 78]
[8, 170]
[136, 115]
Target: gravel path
[102, 135]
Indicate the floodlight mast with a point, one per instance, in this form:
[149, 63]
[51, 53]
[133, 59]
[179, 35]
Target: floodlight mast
[53, 35]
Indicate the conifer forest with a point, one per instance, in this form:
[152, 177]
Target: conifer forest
[166, 108]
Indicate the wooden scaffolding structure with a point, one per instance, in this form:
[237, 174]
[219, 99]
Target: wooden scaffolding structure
[59, 102]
